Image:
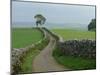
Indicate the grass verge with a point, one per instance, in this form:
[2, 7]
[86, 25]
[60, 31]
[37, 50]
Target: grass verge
[74, 63]
[26, 66]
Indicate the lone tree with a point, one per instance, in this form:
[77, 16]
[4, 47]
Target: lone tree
[40, 20]
[92, 25]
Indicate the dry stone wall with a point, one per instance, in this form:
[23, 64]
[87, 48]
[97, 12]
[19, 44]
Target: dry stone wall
[78, 48]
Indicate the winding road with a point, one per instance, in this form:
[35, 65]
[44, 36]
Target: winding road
[44, 62]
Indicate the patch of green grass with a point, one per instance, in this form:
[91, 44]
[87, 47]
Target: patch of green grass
[69, 34]
[22, 37]
[26, 66]
[74, 63]
[42, 45]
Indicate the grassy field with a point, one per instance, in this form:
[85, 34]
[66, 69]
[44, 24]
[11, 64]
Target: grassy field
[69, 34]
[22, 37]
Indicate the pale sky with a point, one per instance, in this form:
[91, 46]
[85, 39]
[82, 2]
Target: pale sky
[54, 13]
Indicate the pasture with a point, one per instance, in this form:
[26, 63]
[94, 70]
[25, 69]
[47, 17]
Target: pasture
[22, 37]
[70, 34]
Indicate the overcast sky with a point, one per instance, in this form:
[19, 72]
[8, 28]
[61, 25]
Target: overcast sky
[54, 13]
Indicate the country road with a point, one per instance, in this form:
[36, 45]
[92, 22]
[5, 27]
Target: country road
[44, 61]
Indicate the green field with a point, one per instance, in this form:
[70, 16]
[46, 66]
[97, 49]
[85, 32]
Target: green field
[22, 37]
[69, 34]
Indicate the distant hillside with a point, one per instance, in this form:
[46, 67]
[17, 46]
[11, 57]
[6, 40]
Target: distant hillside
[51, 25]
